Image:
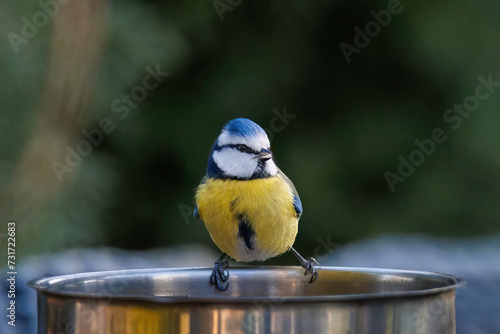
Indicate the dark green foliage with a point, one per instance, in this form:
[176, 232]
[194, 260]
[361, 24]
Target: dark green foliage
[352, 120]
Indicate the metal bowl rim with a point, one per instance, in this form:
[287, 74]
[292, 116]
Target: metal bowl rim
[45, 286]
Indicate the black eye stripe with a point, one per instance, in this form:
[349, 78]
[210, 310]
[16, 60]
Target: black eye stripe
[242, 148]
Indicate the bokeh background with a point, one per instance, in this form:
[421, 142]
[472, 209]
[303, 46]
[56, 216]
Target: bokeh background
[348, 123]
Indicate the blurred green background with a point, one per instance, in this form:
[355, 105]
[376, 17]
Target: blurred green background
[352, 120]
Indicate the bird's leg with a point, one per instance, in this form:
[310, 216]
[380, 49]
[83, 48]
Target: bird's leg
[307, 265]
[220, 274]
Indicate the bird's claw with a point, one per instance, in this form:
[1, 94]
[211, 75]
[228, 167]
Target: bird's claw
[220, 275]
[307, 265]
[310, 269]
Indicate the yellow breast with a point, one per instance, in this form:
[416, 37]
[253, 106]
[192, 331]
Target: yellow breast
[266, 203]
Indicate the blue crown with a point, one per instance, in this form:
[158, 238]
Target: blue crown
[243, 127]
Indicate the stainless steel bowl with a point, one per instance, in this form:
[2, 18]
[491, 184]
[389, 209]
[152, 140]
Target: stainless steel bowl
[259, 300]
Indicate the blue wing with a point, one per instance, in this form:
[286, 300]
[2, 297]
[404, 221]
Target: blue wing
[297, 204]
[196, 214]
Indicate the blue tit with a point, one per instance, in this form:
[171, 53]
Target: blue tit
[249, 206]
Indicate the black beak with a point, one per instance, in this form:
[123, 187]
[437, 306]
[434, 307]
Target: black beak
[264, 155]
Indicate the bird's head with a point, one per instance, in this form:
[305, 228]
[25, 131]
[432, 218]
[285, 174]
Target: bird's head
[242, 151]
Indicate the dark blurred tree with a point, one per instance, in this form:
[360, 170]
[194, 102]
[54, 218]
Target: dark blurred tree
[352, 122]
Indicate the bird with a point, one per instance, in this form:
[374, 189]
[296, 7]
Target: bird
[250, 208]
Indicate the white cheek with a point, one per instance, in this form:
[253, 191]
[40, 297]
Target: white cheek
[271, 168]
[234, 163]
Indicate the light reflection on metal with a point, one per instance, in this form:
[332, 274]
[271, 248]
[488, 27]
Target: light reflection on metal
[259, 300]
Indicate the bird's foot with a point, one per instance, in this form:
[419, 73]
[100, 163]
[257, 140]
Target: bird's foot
[220, 274]
[307, 265]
